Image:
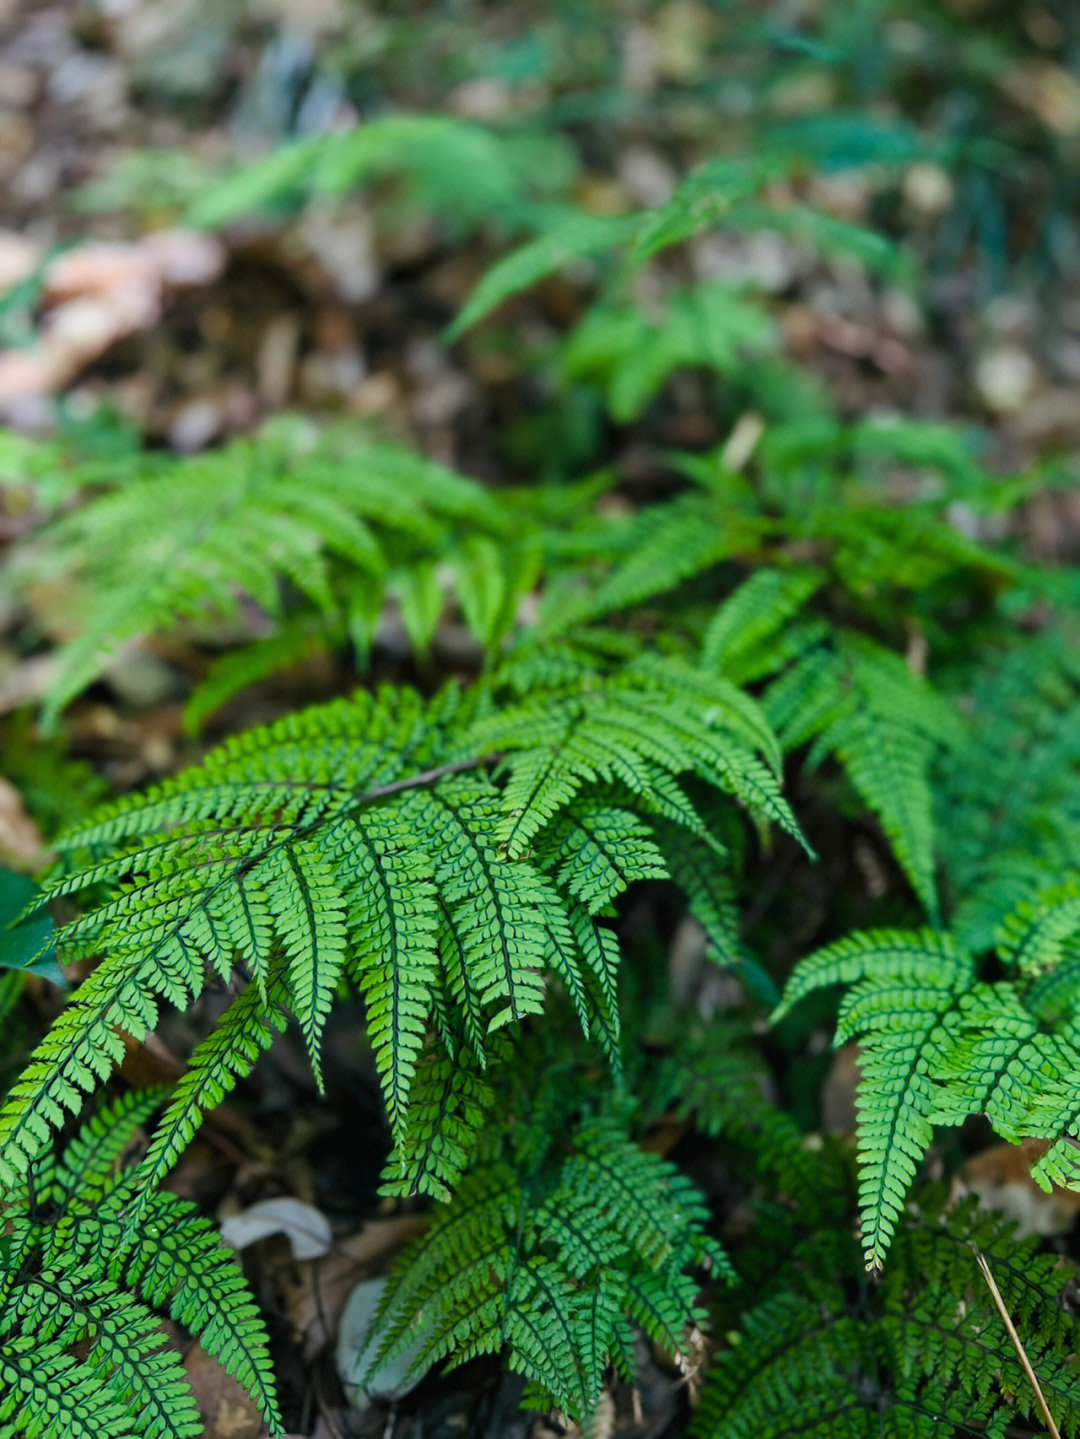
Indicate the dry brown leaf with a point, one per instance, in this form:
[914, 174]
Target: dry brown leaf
[314, 1305]
[1001, 1177]
[226, 1409]
[20, 838]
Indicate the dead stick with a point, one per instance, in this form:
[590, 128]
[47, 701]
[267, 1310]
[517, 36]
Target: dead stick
[995, 1294]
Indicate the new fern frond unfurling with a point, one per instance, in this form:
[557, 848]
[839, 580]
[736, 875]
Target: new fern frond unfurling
[82, 1350]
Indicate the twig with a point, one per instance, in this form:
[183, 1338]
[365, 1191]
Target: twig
[1010, 1328]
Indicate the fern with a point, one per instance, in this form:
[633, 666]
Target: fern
[861, 703]
[338, 519]
[73, 1278]
[721, 192]
[466, 171]
[460, 859]
[631, 355]
[452, 851]
[901, 990]
[562, 1233]
[923, 1352]
[938, 1044]
[1009, 799]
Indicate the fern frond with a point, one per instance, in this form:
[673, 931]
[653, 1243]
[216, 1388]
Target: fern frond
[552, 1268]
[712, 1076]
[450, 1102]
[753, 614]
[631, 354]
[367, 838]
[128, 1355]
[182, 539]
[596, 850]
[177, 1259]
[91, 1158]
[83, 1280]
[655, 714]
[244, 1031]
[651, 553]
[50, 1395]
[902, 988]
[1031, 938]
[466, 170]
[828, 1355]
[860, 702]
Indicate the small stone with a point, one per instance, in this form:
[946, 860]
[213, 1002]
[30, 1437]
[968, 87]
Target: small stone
[196, 424]
[1066, 357]
[640, 59]
[847, 195]
[43, 38]
[1005, 378]
[648, 177]
[189, 63]
[89, 78]
[20, 838]
[770, 261]
[901, 312]
[483, 99]
[186, 257]
[327, 376]
[1012, 316]
[39, 179]
[140, 679]
[344, 245]
[275, 362]
[684, 29]
[380, 394]
[19, 258]
[16, 140]
[20, 85]
[442, 391]
[929, 190]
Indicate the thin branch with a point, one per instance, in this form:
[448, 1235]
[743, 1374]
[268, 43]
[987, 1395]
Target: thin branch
[1010, 1328]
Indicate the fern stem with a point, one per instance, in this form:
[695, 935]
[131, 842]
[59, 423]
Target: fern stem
[427, 777]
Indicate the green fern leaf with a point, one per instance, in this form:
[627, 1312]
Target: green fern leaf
[901, 990]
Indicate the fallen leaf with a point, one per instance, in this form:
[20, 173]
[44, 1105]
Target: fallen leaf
[306, 1228]
[226, 1409]
[315, 1304]
[1001, 1177]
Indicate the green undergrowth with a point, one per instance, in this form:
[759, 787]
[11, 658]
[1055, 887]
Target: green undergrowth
[802, 709]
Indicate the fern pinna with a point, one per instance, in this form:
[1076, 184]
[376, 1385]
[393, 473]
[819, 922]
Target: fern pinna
[939, 1044]
[82, 1352]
